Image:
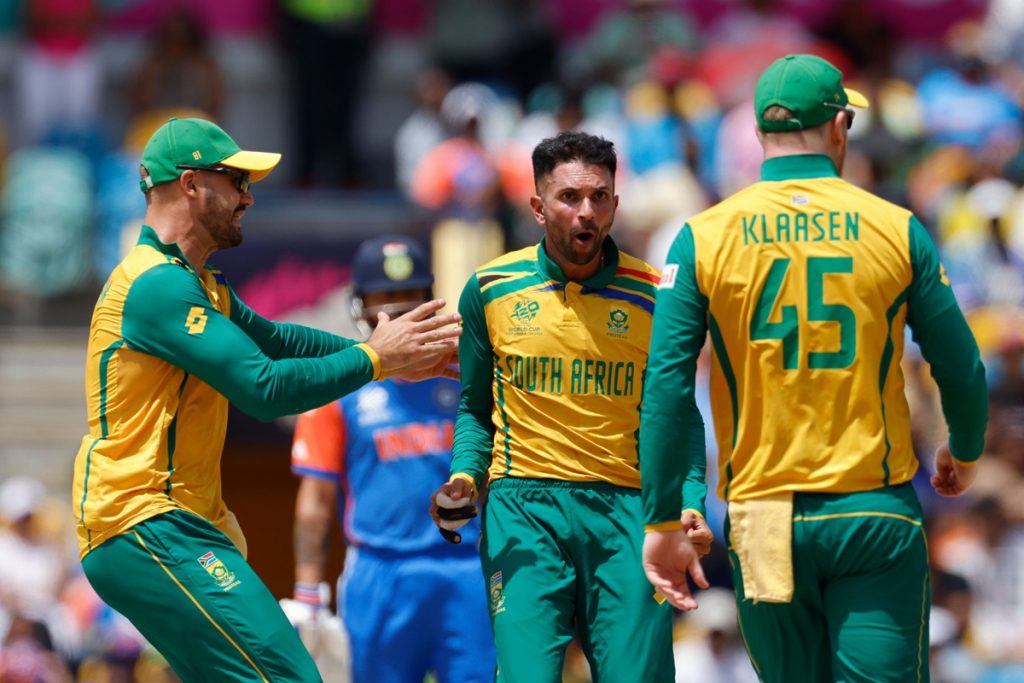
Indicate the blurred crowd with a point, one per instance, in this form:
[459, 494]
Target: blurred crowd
[669, 82]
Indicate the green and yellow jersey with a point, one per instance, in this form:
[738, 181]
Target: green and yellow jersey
[169, 347]
[804, 283]
[552, 369]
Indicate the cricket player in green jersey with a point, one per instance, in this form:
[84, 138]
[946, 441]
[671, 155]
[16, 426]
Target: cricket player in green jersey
[553, 359]
[804, 283]
[169, 346]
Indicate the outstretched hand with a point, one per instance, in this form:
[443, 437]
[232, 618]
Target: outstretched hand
[951, 477]
[418, 344]
[668, 557]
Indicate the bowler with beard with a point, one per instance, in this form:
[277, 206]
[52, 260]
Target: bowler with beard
[170, 345]
[553, 358]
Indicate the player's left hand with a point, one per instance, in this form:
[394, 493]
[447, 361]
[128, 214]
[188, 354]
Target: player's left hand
[951, 477]
[668, 557]
[698, 531]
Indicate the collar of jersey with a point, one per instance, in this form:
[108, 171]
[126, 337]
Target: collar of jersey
[149, 238]
[601, 279]
[797, 166]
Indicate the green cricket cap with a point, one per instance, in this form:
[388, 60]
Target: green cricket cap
[808, 86]
[197, 142]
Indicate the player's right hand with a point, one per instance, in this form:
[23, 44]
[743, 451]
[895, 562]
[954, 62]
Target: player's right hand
[698, 531]
[418, 344]
[452, 507]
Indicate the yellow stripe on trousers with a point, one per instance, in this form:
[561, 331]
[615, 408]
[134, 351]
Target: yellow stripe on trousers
[200, 608]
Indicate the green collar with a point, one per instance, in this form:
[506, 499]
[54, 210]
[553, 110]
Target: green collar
[601, 279]
[149, 238]
[798, 166]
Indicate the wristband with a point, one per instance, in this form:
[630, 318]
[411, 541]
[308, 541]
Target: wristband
[307, 593]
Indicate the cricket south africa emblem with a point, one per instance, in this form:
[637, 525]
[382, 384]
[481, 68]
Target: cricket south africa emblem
[221, 575]
[618, 321]
[497, 593]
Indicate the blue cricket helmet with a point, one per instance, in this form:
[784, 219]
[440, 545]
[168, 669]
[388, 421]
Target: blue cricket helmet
[390, 263]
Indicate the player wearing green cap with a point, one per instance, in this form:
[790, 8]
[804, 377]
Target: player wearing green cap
[804, 283]
[169, 346]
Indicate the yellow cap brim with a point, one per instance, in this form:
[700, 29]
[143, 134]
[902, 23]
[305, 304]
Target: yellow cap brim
[258, 164]
[855, 99]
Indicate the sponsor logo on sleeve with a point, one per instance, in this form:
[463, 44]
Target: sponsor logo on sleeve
[196, 319]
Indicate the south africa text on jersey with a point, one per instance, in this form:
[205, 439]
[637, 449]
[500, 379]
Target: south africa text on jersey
[580, 376]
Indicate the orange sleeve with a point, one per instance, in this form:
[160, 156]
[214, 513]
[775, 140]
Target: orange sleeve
[431, 182]
[318, 447]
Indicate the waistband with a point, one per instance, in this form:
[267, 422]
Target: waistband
[900, 500]
[513, 483]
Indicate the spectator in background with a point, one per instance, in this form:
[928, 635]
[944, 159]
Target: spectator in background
[180, 72]
[963, 103]
[620, 47]
[458, 180]
[862, 36]
[328, 44]
[57, 74]
[505, 43]
[424, 129]
[26, 656]
[36, 563]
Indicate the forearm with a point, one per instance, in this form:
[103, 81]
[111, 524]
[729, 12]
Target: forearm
[955, 363]
[471, 451]
[314, 510]
[474, 431]
[672, 455]
[285, 340]
[948, 345]
[269, 389]
[311, 549]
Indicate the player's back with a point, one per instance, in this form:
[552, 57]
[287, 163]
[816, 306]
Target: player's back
[806, 281]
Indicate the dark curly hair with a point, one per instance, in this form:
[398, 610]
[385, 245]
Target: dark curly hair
[572, 146]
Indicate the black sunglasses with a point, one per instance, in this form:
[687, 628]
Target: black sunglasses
[241, 178]
[850, 113]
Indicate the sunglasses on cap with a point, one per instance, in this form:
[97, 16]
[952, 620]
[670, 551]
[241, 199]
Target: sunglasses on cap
[241, 178]
[850, 113]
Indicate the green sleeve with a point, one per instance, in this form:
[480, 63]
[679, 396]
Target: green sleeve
[948, 345]
[284, 340]
[673, 460]
[168, 315]
[474, 430]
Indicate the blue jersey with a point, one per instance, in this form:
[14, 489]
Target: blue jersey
[388, 447]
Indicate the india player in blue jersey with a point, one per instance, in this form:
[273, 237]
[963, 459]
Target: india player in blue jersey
[410, 602]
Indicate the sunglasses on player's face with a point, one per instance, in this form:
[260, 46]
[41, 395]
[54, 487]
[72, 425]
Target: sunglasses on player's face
[850, 113]
[241, 178]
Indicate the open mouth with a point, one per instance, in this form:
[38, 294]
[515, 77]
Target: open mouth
[584, 238]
